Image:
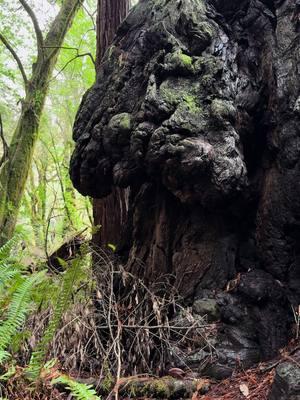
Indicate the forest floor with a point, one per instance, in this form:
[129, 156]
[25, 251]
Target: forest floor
[251, 384]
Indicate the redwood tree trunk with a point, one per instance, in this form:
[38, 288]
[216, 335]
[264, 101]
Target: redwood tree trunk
[110, 213]
[196, 109]
[110, 14]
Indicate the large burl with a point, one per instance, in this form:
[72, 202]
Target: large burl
[196, 112]
[162, 110]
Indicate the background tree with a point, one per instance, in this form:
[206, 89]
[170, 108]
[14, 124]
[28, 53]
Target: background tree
[109, 16]
[16, 165]
[109, 213]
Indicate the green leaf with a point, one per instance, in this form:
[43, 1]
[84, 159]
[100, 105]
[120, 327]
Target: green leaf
[79, 390]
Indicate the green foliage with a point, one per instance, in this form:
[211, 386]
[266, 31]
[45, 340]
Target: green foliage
[79, 390]
[6, 271]
[8, 374]
[18, 308]
[4, 356]
[17, 299]
[38, 358]
[6, 249]
[112, 247]
[16, 295]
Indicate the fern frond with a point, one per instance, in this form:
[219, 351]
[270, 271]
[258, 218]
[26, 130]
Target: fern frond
[64, 298]
[79, 390]
[8, 246]
[8, 374]
[8, 268]
[18, 309]
[7, 273]
[4, 356]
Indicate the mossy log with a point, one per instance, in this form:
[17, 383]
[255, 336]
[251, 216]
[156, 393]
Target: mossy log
[162, 388]
[148, 387]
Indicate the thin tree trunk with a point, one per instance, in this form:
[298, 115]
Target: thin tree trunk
[109, 16]
[109, 213]
[15, 170]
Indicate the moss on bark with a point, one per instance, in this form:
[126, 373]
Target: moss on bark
[14, 173]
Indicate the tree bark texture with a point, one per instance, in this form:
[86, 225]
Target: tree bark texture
[110, 14]
[110, 212]
[196, 109]
[15, 169]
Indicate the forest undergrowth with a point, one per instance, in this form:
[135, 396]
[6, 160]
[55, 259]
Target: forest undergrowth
[79, 332]
[106, 324]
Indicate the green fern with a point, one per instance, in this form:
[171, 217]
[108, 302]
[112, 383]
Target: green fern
[8, 270]
[18, 309]
[79, 390]
[7, 273]
[6, 249]
[4, 356]
[8, 374]
[38, 357]
[15, 296]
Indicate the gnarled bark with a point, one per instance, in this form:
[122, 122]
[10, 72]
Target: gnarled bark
[196, 109]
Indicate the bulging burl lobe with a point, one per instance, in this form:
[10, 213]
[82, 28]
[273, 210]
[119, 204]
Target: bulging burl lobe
[161, 110]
